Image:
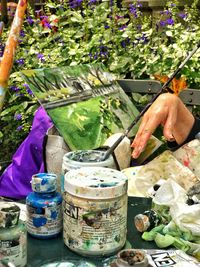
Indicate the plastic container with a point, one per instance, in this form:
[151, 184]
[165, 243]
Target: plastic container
[44, 207]
[95, 210]
[84, 158]
[13, 237]
[131, 257]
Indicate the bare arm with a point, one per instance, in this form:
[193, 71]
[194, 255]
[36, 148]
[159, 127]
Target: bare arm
[170, 112]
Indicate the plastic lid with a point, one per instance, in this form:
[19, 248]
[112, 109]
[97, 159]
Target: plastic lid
[44, 182]
[95, 182]
[142, 222]
[9, 214]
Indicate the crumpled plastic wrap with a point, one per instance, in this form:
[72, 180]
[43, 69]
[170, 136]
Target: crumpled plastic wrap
[185, 216]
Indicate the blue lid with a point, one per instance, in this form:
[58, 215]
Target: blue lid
[44, 182]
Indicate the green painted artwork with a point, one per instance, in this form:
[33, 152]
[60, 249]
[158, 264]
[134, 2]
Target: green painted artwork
[85, 103]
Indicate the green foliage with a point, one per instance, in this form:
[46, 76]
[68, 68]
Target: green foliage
[129, 43]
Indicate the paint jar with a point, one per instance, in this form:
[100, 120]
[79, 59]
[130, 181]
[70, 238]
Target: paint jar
[13, 238]
[85, 158]
[44, 207]
[131, 257]
[95, 210]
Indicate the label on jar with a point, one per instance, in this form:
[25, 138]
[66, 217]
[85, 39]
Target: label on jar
[14, 250]
[99, 230]
[44, 221]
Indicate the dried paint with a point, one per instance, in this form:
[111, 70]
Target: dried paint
[44, 207]
[84, 158]
[131, 257]
[95, 210]
[12, 235]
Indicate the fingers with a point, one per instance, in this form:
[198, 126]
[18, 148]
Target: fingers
[169, 124]
[146, 129]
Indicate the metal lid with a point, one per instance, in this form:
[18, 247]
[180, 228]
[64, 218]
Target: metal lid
[9, 214]
[44, 182]
[95, 182]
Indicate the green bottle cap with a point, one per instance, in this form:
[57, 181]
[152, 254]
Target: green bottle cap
[9, 214]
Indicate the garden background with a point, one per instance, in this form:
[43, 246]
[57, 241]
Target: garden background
[129, 39]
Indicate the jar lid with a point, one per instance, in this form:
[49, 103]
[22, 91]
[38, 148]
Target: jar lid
[9, 214]
[142, 222]
[95, 182]
[87, 158]
[44, 182]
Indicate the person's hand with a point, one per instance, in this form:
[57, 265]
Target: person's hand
[170, 112]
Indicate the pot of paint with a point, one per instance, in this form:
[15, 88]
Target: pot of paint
[95, 211]
[44, 207]
[69, 263]
[85, 158]
[12, 235]
[131, 257]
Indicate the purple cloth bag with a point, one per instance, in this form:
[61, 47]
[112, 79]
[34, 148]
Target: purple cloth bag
[27, 160]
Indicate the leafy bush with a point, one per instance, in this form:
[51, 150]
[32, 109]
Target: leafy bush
[72, 32]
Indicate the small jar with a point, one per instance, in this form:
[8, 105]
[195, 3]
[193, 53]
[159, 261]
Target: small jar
[44, 207]
[130, 257]
[95, 211]
[85, 158]
[13, 238]
[146, 221]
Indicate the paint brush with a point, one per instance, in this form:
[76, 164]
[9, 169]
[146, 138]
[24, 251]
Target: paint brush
[165, 85]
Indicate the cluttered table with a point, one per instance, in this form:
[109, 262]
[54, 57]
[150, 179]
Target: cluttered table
[41, 252]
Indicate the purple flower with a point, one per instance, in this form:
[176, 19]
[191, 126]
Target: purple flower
[19, 95]
[170, 21]
[95, 55]
[28, 90]
[20, 61]
[166, 12]
[30, 20]
[123, 27]
[162, 23]
[2, 46]
[75, 3]
[91, 2]
[133, 10]
[14, 88]
[106, 26]
[182, 15]
[19, 128]
[40, 57]
[18, 117]
[22, 33]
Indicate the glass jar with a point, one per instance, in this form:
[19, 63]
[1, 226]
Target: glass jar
[13, 237]
[44, 207]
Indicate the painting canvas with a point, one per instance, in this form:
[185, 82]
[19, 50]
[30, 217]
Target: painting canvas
[85, 102]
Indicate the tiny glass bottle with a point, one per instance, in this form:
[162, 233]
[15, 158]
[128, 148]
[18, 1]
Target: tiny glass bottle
[13, 237]
[146, 221]
[44, 207]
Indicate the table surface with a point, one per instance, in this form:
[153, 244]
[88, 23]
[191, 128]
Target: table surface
[53, 250]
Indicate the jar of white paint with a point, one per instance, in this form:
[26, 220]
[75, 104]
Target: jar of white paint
[85, 158]
[13, 240]
[95, 210]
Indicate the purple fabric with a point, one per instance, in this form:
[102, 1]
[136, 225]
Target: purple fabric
[27, 160]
